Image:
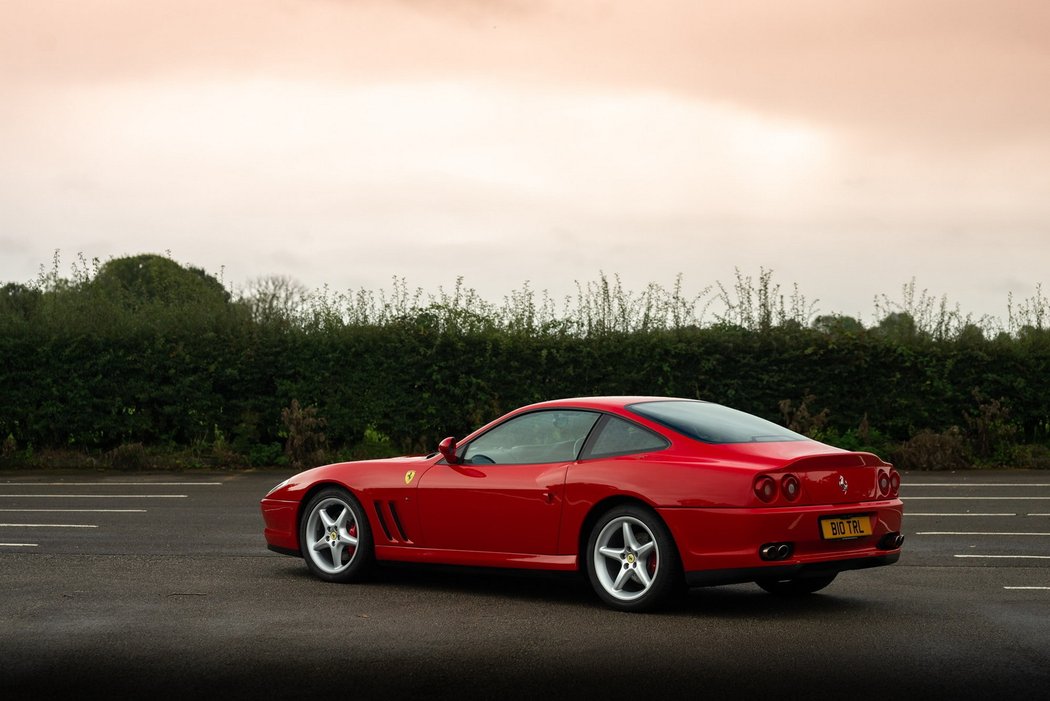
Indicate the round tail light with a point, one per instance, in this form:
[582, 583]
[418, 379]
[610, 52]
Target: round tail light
[895, 482]
[790, 486]
[884, 483]
[766, 488]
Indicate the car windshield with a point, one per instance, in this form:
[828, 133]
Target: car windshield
[713, 423]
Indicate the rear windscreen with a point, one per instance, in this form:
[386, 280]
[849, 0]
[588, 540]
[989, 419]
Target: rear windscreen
[713, 423]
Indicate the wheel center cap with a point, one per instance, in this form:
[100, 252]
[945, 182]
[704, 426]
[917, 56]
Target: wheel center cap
[630, 558]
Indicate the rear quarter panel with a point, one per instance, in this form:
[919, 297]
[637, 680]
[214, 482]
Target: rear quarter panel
[663, 479]
[687, 475]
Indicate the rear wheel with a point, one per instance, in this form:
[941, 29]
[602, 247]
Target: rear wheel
[795, 587]
[334, 536]
[632, 562]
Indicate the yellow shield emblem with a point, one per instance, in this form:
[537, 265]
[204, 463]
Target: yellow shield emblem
[409, 476]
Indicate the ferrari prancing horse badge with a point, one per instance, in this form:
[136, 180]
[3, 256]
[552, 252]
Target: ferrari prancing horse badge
[409, 476]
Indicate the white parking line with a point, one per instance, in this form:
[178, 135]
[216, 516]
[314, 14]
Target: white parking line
[910, 514]
[963, 498]
[975, 533]
[46, 525]
[1037, 514]
[18, 545]
[1004, 557]
[111, 484]
[76, 511]
[1039, 588]
[93, 496]
[934, 484]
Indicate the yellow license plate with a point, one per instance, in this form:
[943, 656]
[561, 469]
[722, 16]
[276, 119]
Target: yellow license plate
[847, 527]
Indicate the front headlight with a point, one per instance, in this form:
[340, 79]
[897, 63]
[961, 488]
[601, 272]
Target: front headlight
[280, 486]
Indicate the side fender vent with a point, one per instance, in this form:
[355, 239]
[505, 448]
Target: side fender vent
[397, 522]
[390, 522]
[381, 517]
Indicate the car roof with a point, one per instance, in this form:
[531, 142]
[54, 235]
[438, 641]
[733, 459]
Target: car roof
[607, 402]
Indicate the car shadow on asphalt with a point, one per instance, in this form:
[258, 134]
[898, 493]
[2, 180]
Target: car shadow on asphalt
[748, 601]
[573, 589]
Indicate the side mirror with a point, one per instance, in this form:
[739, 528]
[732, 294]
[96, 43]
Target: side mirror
[447, 448]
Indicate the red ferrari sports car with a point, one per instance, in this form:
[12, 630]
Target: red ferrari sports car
[642, 494]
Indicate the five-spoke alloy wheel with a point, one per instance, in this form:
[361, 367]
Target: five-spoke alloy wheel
[633, 564]
[334, 536]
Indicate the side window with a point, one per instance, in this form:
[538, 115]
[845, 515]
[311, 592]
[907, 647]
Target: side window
[537, 437]
[619, 437]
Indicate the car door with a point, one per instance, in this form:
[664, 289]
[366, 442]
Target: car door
[507, 493]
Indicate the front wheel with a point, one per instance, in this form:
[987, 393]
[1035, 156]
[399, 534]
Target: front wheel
[795, 587]
[334, 536]
[631, 559]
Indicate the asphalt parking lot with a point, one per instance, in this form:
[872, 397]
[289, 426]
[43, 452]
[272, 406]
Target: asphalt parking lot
[161, 585]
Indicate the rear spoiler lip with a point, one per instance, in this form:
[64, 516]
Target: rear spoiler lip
[832, 461]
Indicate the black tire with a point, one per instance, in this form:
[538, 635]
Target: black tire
[795, 587]
[337, 546]
[636, 575]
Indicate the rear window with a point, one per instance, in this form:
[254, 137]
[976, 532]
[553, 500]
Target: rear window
[713, 423]
[620, 437]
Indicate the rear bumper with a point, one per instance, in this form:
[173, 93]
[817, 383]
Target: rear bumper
[709, 578]
[721, 546]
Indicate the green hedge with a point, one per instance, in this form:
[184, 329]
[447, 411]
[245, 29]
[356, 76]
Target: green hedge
[416, 383]
[84, 368]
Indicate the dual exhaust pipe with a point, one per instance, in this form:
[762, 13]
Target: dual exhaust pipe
[891, 541]
[782, 551]
[775, 551]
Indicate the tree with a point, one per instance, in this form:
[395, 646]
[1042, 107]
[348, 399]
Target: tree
[837, 325]
[148, 279]
[898, 326]
[275, 298]
[18, 301]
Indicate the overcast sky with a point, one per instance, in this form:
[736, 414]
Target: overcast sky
[848, 146]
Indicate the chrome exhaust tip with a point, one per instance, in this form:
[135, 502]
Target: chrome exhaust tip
[775, 551]
[891, 541]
